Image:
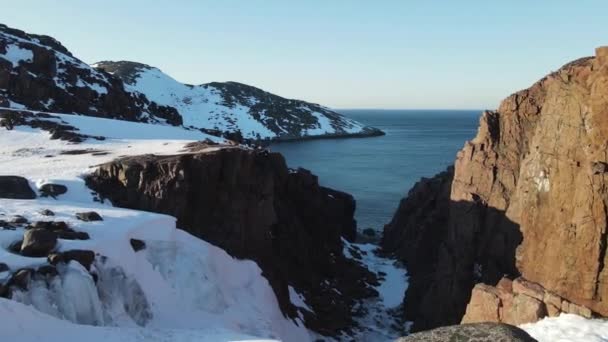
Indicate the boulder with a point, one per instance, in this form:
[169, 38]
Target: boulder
[38, 242]
[89, 216]
[84, 257]
[478, 332]
[484, 305]
[15, 187]
[47, 271]
[21, 278]
[47, 212]
[18, 219]
[3, 267]
[522, 286]
[524, 309]
[50, 225]
[137, 244]
[52, 190]
[72, 235]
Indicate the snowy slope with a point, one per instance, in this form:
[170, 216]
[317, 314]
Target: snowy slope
[231, 106]
[178, 288]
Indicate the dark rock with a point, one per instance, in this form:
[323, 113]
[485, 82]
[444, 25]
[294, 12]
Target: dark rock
[89, 216]
[137, 245]
[47, 212]
[5, 291]
[3, 267]
[18, 219]
[72, 235]
[15, 187]
[21, 278]
[47, 271]
[15, 247]
[38, 242]
[479, 332]
[370, 232]
[52, 190]
[84, 257]
[50, 225]
[254, 207]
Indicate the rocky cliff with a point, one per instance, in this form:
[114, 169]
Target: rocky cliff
[250, 204]
[528, 198]
[38, 73]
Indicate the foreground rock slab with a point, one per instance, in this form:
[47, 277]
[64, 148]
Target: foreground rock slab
[481, 332]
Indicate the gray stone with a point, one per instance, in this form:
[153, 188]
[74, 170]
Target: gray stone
[478, 332]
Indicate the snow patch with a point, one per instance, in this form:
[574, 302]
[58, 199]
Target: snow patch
[15, 55]
[568, 328]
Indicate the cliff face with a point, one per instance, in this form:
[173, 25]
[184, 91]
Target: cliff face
[528, 198]
[250, 204]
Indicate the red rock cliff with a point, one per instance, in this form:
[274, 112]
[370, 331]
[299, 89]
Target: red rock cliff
[528, 198]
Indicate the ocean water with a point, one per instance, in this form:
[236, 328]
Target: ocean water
[379, 171]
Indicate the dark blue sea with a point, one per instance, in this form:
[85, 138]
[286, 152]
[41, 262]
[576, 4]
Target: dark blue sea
[379, 171]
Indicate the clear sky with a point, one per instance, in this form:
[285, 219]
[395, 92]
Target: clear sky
[344, 54]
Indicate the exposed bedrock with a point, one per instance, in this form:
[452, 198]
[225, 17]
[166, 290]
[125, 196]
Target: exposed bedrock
[480, 332]
[249, 203]
[528, 198]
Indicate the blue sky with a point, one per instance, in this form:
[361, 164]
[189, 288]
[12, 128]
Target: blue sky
[344, 54]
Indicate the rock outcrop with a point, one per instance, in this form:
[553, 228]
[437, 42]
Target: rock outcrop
[250, 204]
[517, 302]
[38, 73]
[528, 197]
[15, 187]
[481, 332]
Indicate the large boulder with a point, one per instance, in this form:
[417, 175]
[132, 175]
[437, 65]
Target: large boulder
[528, 197]
[38, 242]
[52, 190]
[15, 187]
[250, 204]
[480, 332]
[84, 257]
[89, 216]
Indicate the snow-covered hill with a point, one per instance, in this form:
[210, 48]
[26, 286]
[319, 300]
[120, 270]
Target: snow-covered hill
[235, 107]
[38, 73]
